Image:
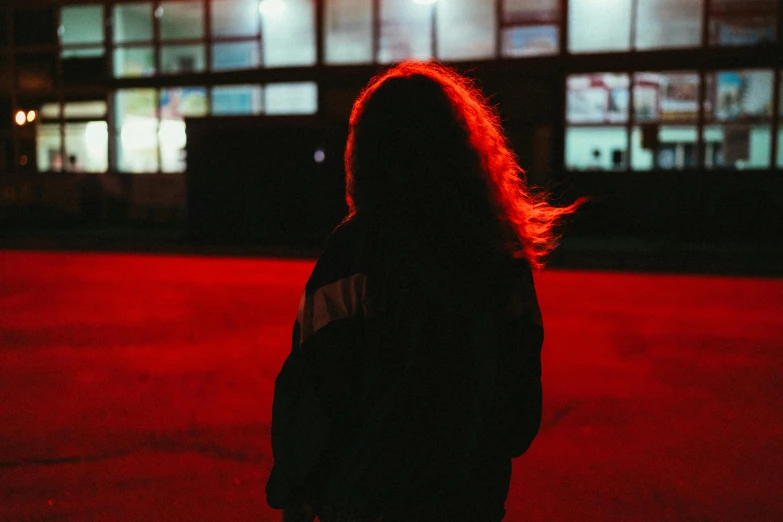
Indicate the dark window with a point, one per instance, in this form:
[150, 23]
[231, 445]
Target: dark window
[34, 26]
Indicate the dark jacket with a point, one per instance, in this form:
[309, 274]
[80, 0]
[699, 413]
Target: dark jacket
[418, 422]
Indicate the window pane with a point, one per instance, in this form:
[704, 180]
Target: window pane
[179, 102]
[85, 109]
[236, 99]
[666, 96]
[466, 29]
[132, 22]
[83, 52]
[536, 40]
[47, 145]
[81, 24]
[348, 31]
[668, 23]
[531, 11]
[288, 32]
[737, 146]
[137, 126]
[182, 59]
[599, 97]
[86, 146]
[176, 104]
[780, 146]
[291, 98]
[181, 20]
[235, 17]
[734, 95]
[665, 148]
[405, 31]
[133, 62]
[237, 55]
[596, 148]
[598, 25]
[746, 22]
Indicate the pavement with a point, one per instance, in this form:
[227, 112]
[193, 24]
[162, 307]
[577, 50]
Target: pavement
[139, 387]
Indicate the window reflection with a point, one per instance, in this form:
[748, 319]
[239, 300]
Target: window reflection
[348, 31]
[668, 23]
[406, 31]
[465, 29]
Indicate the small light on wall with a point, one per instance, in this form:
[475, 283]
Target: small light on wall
[319, 156]
[23, 160]
[31, 116]
[20, 118]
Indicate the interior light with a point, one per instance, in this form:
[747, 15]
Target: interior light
[23, 160]
[319, 156]
[31, 116]
[20, 118]
[96, 138]
[271, 8]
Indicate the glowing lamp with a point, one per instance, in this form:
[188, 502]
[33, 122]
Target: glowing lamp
[20, 118]
[271, 8]
[31, 116]
[319, 156]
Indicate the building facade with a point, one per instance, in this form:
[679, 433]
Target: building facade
[597, 95]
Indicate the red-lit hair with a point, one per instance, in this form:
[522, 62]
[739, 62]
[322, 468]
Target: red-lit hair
[421, 124]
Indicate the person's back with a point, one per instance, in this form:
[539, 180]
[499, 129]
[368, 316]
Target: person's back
[414, 375]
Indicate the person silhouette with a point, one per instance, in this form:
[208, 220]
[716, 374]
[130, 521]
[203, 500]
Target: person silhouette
[414, 375]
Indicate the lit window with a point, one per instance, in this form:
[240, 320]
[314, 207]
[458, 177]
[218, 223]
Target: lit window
[82, 24]
[668, 23]
[291, 98]
[137, 130]
[182, 59]
[86, 146]
[597, 98]
[599, 25]
[742, 94]
[745, 22]
[737, 146]
[466, 29]
[664, 147]
[288, 32]
[235, 55]
[132, 22]
[181, 20]
[664, 96]
[85, 109]
[348, 31]
[235, 17]
[236, 100]
[531, 28]
[132, 62]
[47, 144]
[596, 148]
[406, 31]
[175, 104]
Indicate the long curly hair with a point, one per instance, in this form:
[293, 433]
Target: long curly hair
[425, 145]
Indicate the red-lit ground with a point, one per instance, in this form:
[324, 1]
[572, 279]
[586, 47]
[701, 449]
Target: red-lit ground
[139, 388]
